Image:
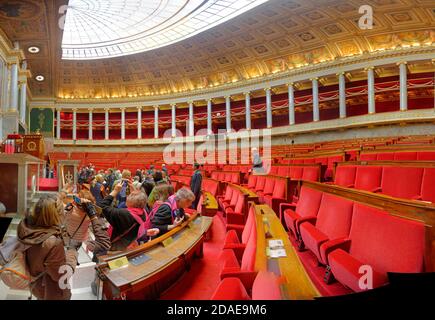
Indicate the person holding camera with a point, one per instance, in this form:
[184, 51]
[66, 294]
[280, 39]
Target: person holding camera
[171, 213]
[126, 222]
[81, 213]
[50, 248]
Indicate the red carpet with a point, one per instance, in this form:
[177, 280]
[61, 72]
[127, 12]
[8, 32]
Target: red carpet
[48, 184]
[203, 278]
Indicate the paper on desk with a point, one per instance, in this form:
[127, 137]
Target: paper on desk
[276, 243]
[277, 253]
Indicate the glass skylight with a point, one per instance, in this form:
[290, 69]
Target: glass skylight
[96, 29]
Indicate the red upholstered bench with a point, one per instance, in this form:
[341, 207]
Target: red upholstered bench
[368, 178]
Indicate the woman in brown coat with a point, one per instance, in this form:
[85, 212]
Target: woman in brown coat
[52, 258]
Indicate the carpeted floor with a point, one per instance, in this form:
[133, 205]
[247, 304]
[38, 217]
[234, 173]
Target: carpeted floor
[203, 278]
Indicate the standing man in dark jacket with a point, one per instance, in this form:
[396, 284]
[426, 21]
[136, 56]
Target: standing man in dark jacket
[195, 185]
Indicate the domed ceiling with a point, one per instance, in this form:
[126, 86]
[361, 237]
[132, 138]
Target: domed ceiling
[276, 36]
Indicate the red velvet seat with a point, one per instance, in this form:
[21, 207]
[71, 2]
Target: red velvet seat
[310, 174]
[226, 198]
[278, 195]
[266, 286]
[236, 241]
[428, 185]
[245, 270]
[307, 207]
[259, 185]
[402, 182]
[283, 171]
[345, 176]
[273, 170]
[252, 180]
[235, 178]
[384, 242]
[330, 165]
[368, 157]
[426, 155]
[295, 173]
[405, 156]
[236, 214]
[234, 196]
[267, 190]
[368, 178]
[385, 156]
[331, 228]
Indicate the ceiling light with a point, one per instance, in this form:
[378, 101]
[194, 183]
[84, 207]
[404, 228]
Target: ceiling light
[33, 49]
[39, 78]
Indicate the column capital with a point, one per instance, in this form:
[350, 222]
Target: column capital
[209, 100]
[227, 97]
[340, 73]
[122, 109]
[267, 89]
[58, 109]
[190, 102]
[139, 108]
[173, 105]
[314, 79]
[290, 84]
[156, 107]
[247, 93]
[401, 62]
[74, 109]
[369, 68]
[90, 110]
[106, 109]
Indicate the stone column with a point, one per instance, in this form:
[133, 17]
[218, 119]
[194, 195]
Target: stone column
[174, 122]
[342, 94]
[403, 86]
[228, 112]
[139, 122]
[58, 123]
[316, 111]
[291, 104]
[191, 120]
[371, 90]
[209, 120]
[156, 122]
[123, 123]
[14, 87]
[90, 133]
[106, 124]
[74, 133]
[268, 107]
[248, 110]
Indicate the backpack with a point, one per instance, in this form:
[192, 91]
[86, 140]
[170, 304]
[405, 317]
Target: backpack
[14, 271]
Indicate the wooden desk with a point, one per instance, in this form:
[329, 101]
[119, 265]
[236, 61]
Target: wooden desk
[210, 205]
[252, 196]
[298, 285]
[164, 264]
